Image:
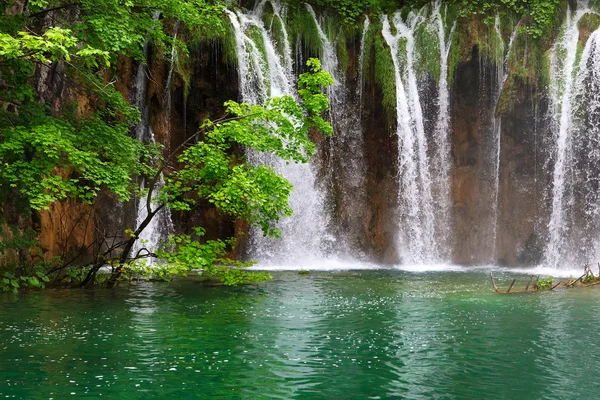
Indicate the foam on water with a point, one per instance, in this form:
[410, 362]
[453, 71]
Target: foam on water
[341, 265]
[322, 265]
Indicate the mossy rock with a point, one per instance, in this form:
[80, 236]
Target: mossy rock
[587, 25]
[385, 74]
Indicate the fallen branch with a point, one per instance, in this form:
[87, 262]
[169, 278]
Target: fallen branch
[529, 283]
[511, 285]
[577, 280]
[494, 282]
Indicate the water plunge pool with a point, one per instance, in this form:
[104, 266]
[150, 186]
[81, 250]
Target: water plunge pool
[331, 334]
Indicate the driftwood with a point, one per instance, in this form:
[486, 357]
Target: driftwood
[586, 280]
[493, 282]
[511, 285]
[529, 283]
[577, 280]
[555, 286]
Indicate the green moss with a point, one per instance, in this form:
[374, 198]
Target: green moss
[255, 34]
[384, 75]
[277, 32]
[462, 42]
[544, 70]
[199, 40]
[491, 45]
[511, 94]
[369, 44]
[587, 25]
[427, 49]
[302, 26]
[342, 52]
[184, 68]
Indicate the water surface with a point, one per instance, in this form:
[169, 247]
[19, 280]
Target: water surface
[336, 334]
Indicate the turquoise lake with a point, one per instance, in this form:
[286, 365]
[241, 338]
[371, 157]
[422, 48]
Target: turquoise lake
[343, 334]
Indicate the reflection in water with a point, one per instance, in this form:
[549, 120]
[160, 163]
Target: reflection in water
[344, 334]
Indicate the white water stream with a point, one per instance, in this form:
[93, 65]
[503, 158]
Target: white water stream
[161, 226]
[262, 75]
[567, 242]
[420, 213]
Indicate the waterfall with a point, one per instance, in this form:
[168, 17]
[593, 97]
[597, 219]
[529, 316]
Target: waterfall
[501, 64]
[161, 225]
[361, 61]
[264, 74]
[442, 162]
[344, 174]
[568, 82]
[501, 76]
[167, 92]
[329, 62]
[419, 212]
[587, 147]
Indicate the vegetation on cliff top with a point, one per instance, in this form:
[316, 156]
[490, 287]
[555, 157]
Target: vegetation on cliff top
[539, 15]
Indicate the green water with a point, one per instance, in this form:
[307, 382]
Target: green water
[369, 334]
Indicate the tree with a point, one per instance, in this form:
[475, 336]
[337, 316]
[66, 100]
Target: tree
[49, 153]
[211, 171]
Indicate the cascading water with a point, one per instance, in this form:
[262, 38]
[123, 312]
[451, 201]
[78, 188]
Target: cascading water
[568, 240]
[361, 62]
[264, 75]
[586, 137]
[344, 174]
[441, 159]
[502, 58]
[167, 92]
[329, 62]
[161, 225]
[419, 212]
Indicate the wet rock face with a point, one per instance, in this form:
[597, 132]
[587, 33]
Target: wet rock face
[507, 229]
[473, 174]
[524, 209]
[71, 229]
[381, 155]
[212, 82]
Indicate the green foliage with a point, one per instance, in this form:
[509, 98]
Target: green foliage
[351, 11]
[209, 257]
[53, 151]
[142, 270]
[427, 48]
[14, 280]
[256, 194]
[544, 283]
[590, 278]
[12, 239]
[540, 16]
[52, 159]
